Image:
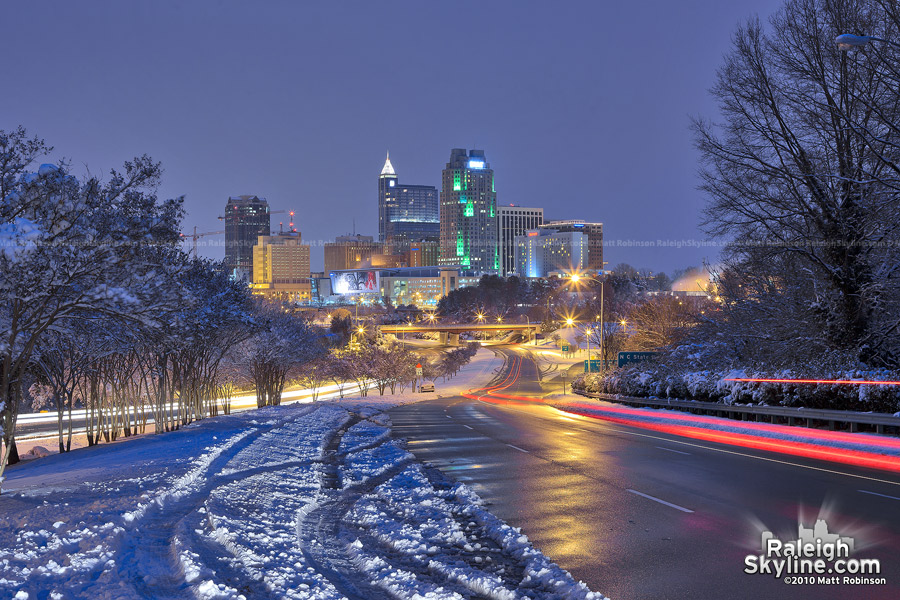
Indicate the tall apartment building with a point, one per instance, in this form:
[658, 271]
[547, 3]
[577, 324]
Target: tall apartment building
[246, 218]
[350, 252]
[594, 233]
[281, 267]
[406, 213]
[542, 251]
[513, 221]
[469, 213]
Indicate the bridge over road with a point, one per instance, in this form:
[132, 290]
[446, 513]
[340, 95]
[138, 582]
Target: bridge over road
[450, 331]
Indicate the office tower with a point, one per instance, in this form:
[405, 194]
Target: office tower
[469, 213]
[541, 251]
[406, 213]
[594, 232]
[512, 221]
[281, 267]
[423, 254]
[350, 252]
[246, 218]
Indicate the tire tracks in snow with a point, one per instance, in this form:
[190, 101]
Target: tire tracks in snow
[148, 557]
[319, 532]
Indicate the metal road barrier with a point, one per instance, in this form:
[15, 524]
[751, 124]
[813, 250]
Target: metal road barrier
[752, 412]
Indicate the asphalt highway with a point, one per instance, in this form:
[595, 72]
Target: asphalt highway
[638, 514]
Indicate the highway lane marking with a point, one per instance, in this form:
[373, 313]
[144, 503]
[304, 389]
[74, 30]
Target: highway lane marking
[466, 426]
[655, 499]
[877, 494]
[519, 449]
[444, 440]
[675, 451]
[448, 416]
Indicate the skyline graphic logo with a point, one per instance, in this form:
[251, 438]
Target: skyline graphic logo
[816, 557]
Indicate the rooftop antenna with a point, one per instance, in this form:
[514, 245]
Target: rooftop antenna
[354, 225]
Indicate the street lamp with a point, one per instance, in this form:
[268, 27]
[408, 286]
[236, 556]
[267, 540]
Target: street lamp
[587, 334]
[479, 317]
[848, 41]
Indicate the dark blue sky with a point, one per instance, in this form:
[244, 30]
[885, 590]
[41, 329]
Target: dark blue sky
[581, 107]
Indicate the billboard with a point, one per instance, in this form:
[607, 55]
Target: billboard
[355, 282]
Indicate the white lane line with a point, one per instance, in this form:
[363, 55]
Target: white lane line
[517, 448]
[877, 494]
[675, 451]
[655, 499]
[467, 427]
[448, 416]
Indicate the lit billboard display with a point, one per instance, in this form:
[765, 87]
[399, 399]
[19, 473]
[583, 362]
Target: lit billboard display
[355, 282]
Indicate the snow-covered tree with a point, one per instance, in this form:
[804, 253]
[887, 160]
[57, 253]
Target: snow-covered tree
[70, 247]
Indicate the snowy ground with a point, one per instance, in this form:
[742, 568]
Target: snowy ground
[300, 501]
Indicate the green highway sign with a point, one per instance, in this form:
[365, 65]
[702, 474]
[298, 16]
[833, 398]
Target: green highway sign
[627, 358]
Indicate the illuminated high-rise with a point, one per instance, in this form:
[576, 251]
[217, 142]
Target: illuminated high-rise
[469, 213]
[513, 221]
[406, 213]
[594, 233]
[246, 218]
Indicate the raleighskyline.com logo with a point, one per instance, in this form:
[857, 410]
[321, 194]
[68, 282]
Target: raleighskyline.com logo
[815, 557]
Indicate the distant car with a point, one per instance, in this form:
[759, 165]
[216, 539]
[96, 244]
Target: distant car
[426, 387]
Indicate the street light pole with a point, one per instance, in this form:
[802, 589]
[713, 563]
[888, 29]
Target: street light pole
[602, 359]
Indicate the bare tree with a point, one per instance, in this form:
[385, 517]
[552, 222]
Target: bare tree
[802, 177]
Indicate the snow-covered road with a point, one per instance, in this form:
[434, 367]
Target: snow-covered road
[301, 501]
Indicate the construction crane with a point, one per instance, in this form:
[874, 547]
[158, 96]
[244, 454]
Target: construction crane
[273, 212]
[196, 236]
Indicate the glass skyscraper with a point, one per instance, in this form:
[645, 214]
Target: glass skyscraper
[469, 213]
[246, 218]
[406, 213]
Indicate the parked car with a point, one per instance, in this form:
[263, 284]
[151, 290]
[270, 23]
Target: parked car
[426, 387]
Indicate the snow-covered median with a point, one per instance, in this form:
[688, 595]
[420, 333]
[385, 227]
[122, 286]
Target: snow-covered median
[289, 502]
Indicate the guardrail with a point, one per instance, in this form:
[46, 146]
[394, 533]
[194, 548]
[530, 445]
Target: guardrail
[880, 421]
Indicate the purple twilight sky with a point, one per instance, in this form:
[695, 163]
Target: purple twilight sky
[581, 107]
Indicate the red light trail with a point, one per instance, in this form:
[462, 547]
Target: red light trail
[813, 381]
[691, 426]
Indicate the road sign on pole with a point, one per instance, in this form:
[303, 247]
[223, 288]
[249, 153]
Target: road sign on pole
[627, 358]
[418, 369]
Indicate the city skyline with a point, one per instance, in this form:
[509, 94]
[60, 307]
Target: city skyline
[228, 98]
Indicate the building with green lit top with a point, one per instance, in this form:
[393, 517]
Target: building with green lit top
[469, 213]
